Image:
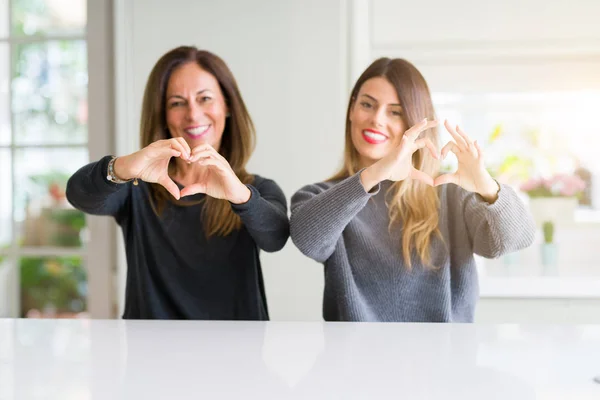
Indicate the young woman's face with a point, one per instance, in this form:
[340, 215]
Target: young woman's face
[195, 106]
[376, 123]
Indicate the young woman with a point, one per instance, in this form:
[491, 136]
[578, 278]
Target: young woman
[397, 241]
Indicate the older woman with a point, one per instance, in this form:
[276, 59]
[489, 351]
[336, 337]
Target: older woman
[193, 218]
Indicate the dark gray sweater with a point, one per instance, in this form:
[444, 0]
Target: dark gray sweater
[173, 271]
[346, 228]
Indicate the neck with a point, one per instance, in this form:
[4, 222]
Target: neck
[185, 173]
[365, 162]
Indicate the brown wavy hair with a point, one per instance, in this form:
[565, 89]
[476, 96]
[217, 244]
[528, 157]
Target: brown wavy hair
[412, 202]
[237, 143]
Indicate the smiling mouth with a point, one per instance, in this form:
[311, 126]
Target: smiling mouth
[373, 137]
[197, 131]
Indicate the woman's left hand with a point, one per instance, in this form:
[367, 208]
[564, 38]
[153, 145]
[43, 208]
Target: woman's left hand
[471, 174]
[218, 179]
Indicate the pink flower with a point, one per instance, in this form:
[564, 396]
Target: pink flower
[531, 184]
[559, 185]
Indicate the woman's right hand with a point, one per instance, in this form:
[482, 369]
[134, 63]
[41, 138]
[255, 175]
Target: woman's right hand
[397, 165]
[151, 164]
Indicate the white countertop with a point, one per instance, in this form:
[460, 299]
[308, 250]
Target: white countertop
[102, 359]
[539, 287]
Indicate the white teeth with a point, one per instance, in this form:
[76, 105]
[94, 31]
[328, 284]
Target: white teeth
[375, 136]
[198, 131]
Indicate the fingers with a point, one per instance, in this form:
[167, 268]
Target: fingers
[421, 176]
[176, 145]
[446, 178]
[204, 149]
[466, 137]
[479, 150]
[450, 146]
[208, 153]
[167, 152]
[416, 130]
[171, 187]
[460, 141]
[426, 142]
[193, 189]
[185, 147]
[212, 161]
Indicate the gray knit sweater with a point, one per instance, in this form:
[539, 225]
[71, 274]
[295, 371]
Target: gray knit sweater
[346, 228]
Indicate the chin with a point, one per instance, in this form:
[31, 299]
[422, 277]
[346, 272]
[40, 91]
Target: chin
[372, 156]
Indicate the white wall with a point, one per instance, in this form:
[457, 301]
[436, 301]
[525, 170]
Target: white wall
[296, 60]
[290, 61]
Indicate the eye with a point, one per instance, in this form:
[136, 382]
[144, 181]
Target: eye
[204, 99]
[396, 113]
[366, 104]
[175, 104]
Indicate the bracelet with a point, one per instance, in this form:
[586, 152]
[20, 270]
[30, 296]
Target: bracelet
[114, 178]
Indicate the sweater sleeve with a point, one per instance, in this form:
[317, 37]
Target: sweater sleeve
[88, 190]
[499, 228]
[320, 214]
[265, 215]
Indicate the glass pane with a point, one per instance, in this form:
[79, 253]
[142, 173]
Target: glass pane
[3, 18]
[53, 287]
[7, 292]
[4, 85]
[49, 92]
[48, 17]
[5, 199]
[43, 214]
[532, 135]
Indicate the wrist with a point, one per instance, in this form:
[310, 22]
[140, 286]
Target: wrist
[243, 195]
[121, 170]
[490, 191]
[368, 179]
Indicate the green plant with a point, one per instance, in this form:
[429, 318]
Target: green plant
[59, 282]
[548, 228]
[2, 258]
[62, 225]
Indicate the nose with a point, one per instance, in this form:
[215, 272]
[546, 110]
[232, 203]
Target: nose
[194, 110]
[379, 117]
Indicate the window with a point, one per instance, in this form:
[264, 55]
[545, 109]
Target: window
[529, 137]
[43, 140]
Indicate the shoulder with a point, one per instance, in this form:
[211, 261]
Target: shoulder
[267, 186]
[316, 188]
[261, 182]
[308, 191]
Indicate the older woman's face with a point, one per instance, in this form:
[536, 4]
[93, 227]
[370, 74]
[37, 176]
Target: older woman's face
[195, 106]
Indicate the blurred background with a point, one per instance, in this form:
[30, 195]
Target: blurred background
[521, 77]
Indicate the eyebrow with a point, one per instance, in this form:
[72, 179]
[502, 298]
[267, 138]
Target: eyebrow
[376, 101]
[181, 97]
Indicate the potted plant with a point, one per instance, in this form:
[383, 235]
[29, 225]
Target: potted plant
[554, 198]
[549, 251]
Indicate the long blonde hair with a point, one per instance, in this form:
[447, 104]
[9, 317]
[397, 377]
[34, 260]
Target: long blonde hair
[412, 203]
[237, 143]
